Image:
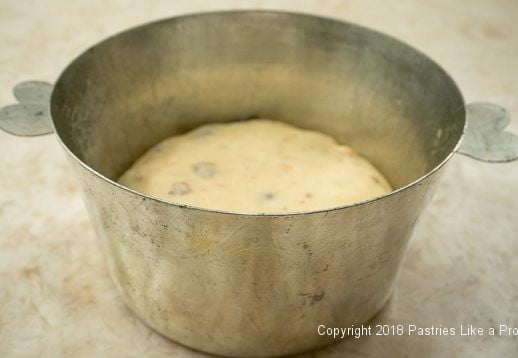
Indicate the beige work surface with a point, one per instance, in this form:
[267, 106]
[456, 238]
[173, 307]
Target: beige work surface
[56, 298]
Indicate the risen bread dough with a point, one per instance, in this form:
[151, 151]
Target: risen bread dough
[255, 166]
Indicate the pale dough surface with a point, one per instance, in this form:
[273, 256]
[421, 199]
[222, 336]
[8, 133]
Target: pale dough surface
[255, 166]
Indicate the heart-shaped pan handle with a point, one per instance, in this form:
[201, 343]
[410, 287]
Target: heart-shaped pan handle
[484, 136]
[31, 116]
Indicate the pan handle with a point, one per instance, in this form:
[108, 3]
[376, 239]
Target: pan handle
[31, 116]
[484, 136]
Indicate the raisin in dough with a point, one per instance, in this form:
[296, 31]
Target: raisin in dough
[255, 166]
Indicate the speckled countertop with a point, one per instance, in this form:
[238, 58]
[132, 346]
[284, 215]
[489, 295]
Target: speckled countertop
[56, 298]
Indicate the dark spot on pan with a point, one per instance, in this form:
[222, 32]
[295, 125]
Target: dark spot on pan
[317, 297]
[376, 180]
[326, 268]
[306, 247]
[313, 297]
[39, 113]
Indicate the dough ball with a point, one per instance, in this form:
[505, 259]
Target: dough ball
[255, 166]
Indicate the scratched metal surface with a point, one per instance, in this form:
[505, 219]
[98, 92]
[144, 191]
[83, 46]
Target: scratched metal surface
[56, 297]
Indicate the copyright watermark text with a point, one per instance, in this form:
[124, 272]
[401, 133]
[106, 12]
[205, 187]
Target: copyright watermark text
[415, 330]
